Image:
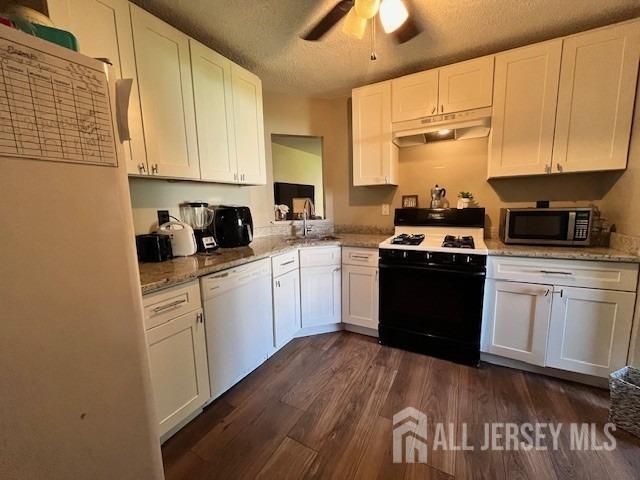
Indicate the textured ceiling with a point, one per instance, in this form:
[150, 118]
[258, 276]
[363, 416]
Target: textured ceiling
[263, 36]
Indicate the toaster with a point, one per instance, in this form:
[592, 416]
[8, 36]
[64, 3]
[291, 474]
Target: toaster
[153, 248]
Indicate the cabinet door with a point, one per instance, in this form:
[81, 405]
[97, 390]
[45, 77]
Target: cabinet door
[414, 96]
[166, 96]
[590, 330]
[375, 157]
[178, 363]
[516, 320]
[214, 114]
[248, 121]
[596, 99]
[524, 110]
[320, 295]
[103, 30]
[286, 308]
[360, 296]
[466, 85]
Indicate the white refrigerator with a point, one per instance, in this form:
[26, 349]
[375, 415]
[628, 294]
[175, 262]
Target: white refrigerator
[75, 392]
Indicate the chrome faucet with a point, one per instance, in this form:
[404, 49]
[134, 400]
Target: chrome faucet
[307, 210]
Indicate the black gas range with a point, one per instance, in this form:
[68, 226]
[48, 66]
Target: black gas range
[431, 292]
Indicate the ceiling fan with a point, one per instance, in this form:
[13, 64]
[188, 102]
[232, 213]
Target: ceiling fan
[393, 14]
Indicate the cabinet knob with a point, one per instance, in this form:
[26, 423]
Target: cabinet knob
[142, 168]
[154, 169]
[441, 108]
[435, 109]
[559, 167]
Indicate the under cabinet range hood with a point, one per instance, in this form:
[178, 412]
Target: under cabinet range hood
[448, 126]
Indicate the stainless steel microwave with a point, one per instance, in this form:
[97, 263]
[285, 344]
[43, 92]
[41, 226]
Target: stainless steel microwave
[546, 226]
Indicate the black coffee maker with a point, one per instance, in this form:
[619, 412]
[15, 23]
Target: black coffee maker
[232, 226]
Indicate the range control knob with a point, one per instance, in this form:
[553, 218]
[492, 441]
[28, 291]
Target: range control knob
[468, 259]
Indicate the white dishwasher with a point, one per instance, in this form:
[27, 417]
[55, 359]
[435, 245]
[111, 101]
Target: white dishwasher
[238, 322]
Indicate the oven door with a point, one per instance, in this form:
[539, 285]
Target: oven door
[540, 226]
[433, 302]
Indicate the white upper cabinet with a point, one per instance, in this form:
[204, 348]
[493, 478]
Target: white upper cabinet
[166, 95]
[524, 110]
[414, 96]
[214, 114]
[466, 85]
[375, 157]
[590, 330]
[103, 30]
[248, 121]
[596, 99]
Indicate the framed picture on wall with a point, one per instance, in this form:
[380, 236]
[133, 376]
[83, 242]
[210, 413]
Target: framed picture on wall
[410, 201]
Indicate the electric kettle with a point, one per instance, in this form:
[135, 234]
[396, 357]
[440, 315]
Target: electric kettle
[183, 240]
[437, 196]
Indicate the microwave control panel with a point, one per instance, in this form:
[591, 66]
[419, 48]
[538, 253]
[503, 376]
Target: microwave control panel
[582, 226]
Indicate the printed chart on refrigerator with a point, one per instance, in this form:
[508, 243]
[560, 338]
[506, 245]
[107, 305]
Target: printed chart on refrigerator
[53, 108]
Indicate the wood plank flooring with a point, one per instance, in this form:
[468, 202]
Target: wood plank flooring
[323, 406]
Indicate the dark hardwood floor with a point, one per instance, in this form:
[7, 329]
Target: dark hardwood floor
[322, 407]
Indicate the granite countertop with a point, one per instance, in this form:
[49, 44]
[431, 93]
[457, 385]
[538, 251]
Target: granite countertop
[604, 254]
[156, 276]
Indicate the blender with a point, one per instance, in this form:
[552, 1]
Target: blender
[200, 217]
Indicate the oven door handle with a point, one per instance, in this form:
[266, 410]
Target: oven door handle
[432, 269]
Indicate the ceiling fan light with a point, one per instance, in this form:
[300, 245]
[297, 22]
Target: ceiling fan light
[354, 24]
[393, 13]
[367, 8]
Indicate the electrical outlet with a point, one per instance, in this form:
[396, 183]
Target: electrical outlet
[385, 209]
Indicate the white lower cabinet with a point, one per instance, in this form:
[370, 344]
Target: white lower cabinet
[566, 323]
[517, 320]
[360, 287]
[320, 291]
[286, 308]
[178, 364]
[590, 330]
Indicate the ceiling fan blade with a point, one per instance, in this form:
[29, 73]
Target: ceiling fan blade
[410, 29]
[329, 20]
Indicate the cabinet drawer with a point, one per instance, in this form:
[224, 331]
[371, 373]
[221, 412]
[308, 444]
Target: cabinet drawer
[572, 273]
[160, 307]
[285, 263]
[319, 256]
[360, 256]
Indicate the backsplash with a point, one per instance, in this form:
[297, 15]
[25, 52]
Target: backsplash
[625, 243]
[294, 228]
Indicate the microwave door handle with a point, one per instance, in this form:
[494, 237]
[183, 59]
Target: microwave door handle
[571, 229]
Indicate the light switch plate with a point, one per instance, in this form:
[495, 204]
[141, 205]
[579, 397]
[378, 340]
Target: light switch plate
[385, 209]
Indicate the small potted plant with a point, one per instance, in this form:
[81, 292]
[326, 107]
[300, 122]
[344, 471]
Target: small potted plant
[465, 199]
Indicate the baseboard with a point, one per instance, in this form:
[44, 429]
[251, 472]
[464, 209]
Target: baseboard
[371, 332]
[171, 432]
[306, 332]
[550, 372]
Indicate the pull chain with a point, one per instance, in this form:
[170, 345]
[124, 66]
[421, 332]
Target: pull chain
[373, 39]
